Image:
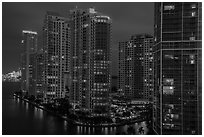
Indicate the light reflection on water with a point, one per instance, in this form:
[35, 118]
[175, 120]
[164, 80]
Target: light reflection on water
[102, 129]
[40, 113]
[89, 130]
[84, 131]
[93, 130]
[18, 100]
[106, 130]
[65, 125]
[26, 105]
[45, 123]
[78, 129]
[110, 130]
[35, 112]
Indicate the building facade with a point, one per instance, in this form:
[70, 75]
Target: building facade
[177, 68]
[56, 44]
[28, 64]
[90, 60]
[39, 74]
[135, 67]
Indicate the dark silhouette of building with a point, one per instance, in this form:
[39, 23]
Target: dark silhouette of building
[177, 68]
[90, 60]
[135, 67]
[114, 84]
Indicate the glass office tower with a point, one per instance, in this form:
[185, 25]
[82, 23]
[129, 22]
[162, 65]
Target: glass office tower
[177, 68]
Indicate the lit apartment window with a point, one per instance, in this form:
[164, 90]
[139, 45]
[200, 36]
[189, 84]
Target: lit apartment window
[168, 90]
[169, 7]
[193, 14]
[155, 39]
[192, 59]
[192, 38]
[193, 6]
[169, 56]
[168, 81]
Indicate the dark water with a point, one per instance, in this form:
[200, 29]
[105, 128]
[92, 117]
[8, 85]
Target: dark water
[21, 118]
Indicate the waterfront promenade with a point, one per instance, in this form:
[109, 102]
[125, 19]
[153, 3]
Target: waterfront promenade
[79, 123]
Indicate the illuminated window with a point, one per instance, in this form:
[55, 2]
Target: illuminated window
[169, 7]
[192, 38]
[168, 90]
[174, 116]
[192, 59]
[193, 14]
[193, 6]
[168, 81]
[169, 56]
[86, 25]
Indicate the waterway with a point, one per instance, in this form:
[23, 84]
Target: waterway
[22, 118]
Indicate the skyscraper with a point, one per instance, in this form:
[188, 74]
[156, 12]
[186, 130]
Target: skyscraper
[29, 48]
[56, 44]
[90, 60]
[135, 67]
[177, 68]
[39, 74]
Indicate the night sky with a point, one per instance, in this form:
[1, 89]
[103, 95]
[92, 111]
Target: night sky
[128, 18]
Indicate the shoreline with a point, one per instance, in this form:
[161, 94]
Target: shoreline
[77, 122]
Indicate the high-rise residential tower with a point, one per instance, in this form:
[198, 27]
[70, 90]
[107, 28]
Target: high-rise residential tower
[56, 44]
[39, 74]
[177, 68]
[29, 48]
[135, 67]
[90, 60]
